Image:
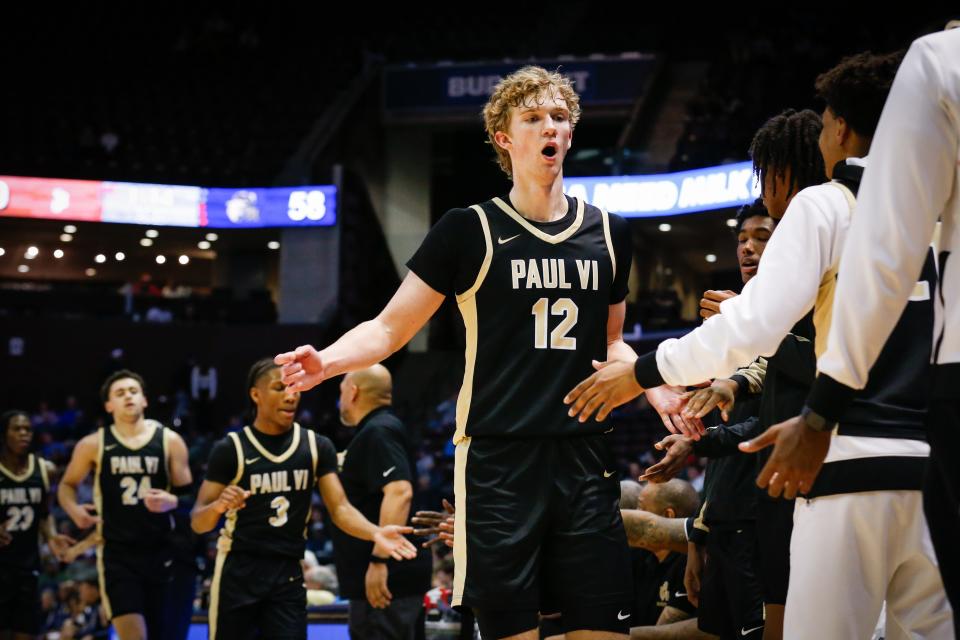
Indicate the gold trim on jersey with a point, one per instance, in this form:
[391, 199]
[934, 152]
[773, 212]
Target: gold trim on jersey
[606, 236]
[122, 440]
[487, 256]
[165, 448]
[312, 439]
[238, 448]
[215, 594]
[31, 464]
[467, 302]
[225, 539]
[546, 237]
[98, 503]
[44, 471]
[269, 456]
[468, 309]
[102, 580]
[460, 524]
[823, 307]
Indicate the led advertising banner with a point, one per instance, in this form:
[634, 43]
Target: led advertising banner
[167, 205]
[435, 88]
[274, 207]
[52, 199]
[669, 194]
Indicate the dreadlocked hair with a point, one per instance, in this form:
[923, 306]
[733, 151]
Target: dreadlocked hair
[857, 88]
[260, 368]
[789, 141]
[748, 211]
[5, 419]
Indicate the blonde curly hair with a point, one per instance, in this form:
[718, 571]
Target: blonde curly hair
[522, 88]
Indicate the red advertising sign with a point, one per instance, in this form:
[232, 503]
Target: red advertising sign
[51, 199]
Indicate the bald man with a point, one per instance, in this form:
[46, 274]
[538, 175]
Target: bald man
[376, 470]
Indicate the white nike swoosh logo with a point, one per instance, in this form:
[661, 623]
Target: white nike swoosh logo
[679, 595]
[252, 460]
[620, 615]
[505, 241]
[108, 447]
[609, 430]
[743, 633]
[388, 471]
[607, 474]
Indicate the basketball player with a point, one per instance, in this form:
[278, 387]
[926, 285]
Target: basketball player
[140, 467]
[24, 487]
[540, 279]
[262, 479]
[872, 477]
[912, 181]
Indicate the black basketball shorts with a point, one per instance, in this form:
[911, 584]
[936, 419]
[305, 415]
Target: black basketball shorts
[538, 529]
[257, 596]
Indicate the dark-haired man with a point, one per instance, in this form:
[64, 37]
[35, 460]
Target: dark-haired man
[24, 487]
[872, 475]
[139, 466]
[912, 183]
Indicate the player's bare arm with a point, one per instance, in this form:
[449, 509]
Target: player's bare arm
[388, 541]
[649, 531]
[585, 397]
[617, 349]
[160, 501]
[82, 462]
[368, 343]
[683, 629]
[59, 543]
[394, 509]
[79, 548]
[214, 500]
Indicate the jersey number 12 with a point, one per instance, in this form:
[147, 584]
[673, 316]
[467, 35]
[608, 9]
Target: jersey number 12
[558, 337]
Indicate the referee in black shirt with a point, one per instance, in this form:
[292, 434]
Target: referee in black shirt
[386, 598]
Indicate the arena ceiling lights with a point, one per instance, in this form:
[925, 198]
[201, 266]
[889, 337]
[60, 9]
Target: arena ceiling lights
[167, 205]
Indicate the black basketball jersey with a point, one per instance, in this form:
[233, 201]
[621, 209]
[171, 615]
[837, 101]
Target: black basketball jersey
[124, 475]
[274, 520]
[535, 316]
[23, 504]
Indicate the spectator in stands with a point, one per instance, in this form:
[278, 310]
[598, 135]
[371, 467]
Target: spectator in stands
[89, 621]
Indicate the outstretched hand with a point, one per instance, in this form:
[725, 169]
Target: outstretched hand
[389, 541]
[434, 523]
[721, 394]
[678, 448]
[798, 454]
[301, 369]
[670, 403]
[612, 385]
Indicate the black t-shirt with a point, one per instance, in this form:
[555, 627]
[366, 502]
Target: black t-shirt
[281, 472]
[379, 453]
[535, 300]
[658, 585]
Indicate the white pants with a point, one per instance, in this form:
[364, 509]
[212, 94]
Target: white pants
[851, 552]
